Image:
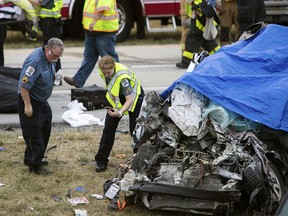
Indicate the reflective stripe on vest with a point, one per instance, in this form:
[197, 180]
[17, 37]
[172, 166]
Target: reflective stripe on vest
[55, 12]
[188, 8]
[108, 22]
[113, 86]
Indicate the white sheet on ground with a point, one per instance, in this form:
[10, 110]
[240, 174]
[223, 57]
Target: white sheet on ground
[76, 117]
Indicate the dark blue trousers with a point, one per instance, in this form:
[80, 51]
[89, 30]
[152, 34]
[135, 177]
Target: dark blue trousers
[108, 135]
[36, 130]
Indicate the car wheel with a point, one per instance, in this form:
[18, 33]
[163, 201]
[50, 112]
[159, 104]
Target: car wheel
[125, 20]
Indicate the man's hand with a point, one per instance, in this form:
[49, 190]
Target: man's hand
[28, 110]
[92, 24]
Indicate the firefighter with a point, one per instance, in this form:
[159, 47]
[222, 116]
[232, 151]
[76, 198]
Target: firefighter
[31, 13]
[51, 25]
[228, 17]
[195, 40]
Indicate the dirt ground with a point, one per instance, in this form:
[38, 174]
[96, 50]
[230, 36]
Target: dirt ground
[70, 155]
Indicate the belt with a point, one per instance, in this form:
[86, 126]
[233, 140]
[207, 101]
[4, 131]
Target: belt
[227, 1]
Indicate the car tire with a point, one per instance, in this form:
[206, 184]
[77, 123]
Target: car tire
[125, 20]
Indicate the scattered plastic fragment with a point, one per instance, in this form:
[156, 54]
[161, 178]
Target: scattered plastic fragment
[98, 196]
[1, 184]
[81, 189]
[69, 193]
[78, 200]
[121, 202]
[2, 148]
[79, 212]
[112, 191]
[122, 131]
[121, 156]
[56, 198]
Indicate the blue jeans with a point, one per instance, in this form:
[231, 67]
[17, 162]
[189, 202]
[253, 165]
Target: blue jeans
[96, 44]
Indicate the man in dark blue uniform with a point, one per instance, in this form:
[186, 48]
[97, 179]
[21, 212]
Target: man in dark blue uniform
[35, 87]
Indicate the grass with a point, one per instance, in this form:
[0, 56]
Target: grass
[73, 166]
[71, 160]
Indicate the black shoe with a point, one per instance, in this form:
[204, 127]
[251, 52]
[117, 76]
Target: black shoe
[182, 65]
[39, 170]
[43, 163]
[70, 81]
[101, 168]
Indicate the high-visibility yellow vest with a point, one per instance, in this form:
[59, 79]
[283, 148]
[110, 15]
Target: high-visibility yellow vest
[113, 87]
[188, 8]
[55, 12]
[108, 22]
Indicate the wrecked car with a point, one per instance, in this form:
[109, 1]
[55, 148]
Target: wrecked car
[215, 141]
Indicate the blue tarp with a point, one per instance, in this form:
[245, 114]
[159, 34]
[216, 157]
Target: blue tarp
[248, 77]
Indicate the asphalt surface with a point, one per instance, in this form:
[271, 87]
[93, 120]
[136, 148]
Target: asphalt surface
[154, 65]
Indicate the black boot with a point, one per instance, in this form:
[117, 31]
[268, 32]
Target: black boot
[39, 170]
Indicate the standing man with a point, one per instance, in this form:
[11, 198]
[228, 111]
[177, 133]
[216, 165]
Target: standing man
[125, 94]
[228, 16]
[194, 40]
[51, 25]
[34, 88]
[100, 22]
[250, 12]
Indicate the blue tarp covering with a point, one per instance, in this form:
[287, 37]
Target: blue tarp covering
[248, 77]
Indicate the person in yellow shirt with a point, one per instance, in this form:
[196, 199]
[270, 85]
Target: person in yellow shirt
[100, 22]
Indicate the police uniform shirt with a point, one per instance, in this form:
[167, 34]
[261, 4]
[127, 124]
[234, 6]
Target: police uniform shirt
[37, 76]
[125, 89]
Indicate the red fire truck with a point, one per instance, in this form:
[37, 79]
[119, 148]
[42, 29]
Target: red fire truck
[139, 13]
[131, 13]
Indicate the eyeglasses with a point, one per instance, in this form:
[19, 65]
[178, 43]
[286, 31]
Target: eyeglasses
[55, 56]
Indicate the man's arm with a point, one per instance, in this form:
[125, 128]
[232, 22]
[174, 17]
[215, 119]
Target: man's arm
[97, 16]
[28, 110]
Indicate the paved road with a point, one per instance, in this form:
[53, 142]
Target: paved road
[153, 64]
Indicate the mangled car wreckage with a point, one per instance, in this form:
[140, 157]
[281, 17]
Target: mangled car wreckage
[215, 141]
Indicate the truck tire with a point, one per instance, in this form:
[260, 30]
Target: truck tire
[125, 20]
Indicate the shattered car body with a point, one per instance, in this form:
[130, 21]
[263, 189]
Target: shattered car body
[210, 172]
[209, 144]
